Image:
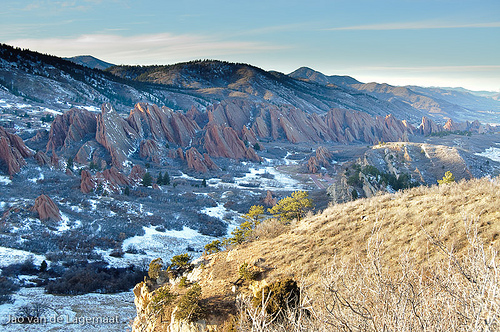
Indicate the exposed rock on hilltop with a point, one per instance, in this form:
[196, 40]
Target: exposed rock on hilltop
[12, 152]
[46, 209]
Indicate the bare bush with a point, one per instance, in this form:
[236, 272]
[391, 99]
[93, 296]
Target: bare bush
[455, 293]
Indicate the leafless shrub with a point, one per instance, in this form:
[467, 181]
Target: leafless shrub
[455, 293]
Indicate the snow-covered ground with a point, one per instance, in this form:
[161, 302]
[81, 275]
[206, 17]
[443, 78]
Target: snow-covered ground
[5, 180]
[89, 312]
[493, 153]
[10, 256]
[154, 244]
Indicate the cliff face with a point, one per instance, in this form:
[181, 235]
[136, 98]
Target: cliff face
[116, 135]
[146, 321]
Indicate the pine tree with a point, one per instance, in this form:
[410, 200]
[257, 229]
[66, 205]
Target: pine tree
[159, 180]
[292, 207]
[166, 179]
[147, 180]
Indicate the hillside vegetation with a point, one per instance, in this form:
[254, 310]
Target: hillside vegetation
[420, 259]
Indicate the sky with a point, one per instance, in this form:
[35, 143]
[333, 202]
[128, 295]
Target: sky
[447, 43]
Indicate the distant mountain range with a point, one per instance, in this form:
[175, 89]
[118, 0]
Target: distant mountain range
[58, 83]
[90, 61]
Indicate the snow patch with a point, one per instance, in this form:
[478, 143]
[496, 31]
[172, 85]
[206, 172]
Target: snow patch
[492, 153]
[10, 256]
[5, 180]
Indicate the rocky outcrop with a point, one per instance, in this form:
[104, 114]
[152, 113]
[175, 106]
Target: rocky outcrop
[87, 183]
[115, 177]
[321, 159]
[270, 200]
[231, 113]
[428, 127]
[116, 135]
[224, 142]
[198, 162]
[148, 149]
[136, 174]
[152, 122]
[70, 127]
[46, 208]
[146, 321]
[41, 158]
[111, 180]
[12, 152]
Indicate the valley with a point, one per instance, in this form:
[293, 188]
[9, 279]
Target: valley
[102, 172]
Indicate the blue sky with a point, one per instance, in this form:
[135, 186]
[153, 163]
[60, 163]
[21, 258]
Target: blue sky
[429, 43]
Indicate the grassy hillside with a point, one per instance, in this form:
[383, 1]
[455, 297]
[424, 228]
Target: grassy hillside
[421, 259]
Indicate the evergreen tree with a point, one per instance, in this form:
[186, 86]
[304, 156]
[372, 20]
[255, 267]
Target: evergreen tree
[166, 179]
[159, 180]
[147, 180]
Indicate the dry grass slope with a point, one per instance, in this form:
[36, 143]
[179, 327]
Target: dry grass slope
[403, 222]
[423, 259]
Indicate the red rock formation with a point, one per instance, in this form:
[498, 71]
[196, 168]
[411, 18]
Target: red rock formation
[72, 126]
[87, 183]
[115, 177]
[209, 162]
[270, 200]
[150, 121]
[234, 113]
[46, 209]
[428, 127]
[180, 154]
[196, 161]
[248, 135]
[149, 149]
[42, 158]
[321, 159]
[116, 135]
[54, 159]
[12, 152]
[136, 174]
[224, 142]
[111, 179]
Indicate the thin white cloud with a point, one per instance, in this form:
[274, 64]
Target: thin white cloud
[417, 26]
[143, 49]
[465, 68]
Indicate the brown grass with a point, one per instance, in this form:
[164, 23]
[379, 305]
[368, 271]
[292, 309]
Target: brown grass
[402, 225]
